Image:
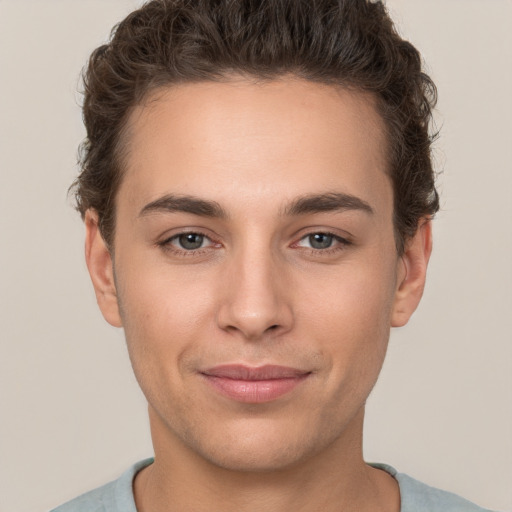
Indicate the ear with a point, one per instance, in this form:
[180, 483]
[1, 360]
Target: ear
[412, 273]
[101, 270]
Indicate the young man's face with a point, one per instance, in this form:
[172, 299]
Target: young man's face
[255, 267]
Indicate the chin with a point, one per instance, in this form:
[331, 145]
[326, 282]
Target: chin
[256, 459]
[258, 449]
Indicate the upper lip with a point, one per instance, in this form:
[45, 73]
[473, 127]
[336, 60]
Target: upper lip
[266, 372]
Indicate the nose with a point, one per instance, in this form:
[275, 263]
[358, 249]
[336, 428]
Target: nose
[255, 301]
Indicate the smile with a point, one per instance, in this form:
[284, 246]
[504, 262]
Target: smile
[254, 385]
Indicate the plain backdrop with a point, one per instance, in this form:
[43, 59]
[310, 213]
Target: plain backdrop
[71, 414]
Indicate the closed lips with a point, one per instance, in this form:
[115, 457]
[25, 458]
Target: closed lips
[254, 385]
[267, 372]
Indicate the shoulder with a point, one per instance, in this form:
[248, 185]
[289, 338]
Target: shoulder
[419, 497]
[98, 500]
[116, 496]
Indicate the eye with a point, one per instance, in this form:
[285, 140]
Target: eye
[323, 243]
[190, 241]
[318, 241]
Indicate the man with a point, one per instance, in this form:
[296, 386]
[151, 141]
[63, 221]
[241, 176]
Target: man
[257, 192]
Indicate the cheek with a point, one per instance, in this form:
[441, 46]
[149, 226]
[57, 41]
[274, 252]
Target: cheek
[350, 318]
[160, 300]
[164, 316]
[355, 299]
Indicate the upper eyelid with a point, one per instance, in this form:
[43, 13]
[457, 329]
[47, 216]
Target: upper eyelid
[347, 238]
[319, 232]
[167, 238]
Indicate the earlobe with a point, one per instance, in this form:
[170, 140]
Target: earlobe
[99, 263]
[411, 279]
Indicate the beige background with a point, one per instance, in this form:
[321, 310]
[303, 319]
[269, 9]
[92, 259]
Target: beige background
[71, 415]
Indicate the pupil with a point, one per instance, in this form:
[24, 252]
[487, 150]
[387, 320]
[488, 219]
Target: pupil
[320, 241]
[191, 241]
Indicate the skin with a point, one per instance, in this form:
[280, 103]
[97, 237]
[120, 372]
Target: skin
[257, 291]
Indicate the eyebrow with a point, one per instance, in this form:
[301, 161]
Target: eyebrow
[328, 202]
[312, 203]
[188, 204]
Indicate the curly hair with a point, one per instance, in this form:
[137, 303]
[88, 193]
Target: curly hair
[347, 43]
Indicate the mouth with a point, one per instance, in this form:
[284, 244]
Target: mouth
[254, 384]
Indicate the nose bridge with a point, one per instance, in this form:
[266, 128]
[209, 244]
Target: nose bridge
[254, 301]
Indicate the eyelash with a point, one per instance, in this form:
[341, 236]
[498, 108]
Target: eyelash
[340, 244]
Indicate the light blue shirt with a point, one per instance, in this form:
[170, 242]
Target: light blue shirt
[117, 496]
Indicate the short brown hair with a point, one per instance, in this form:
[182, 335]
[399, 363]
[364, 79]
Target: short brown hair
[347, 43]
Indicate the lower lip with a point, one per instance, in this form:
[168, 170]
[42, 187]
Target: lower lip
[254, 391]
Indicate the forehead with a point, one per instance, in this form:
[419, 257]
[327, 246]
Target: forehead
[247, 142]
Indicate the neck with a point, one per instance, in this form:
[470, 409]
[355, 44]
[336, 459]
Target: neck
[332, 480]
